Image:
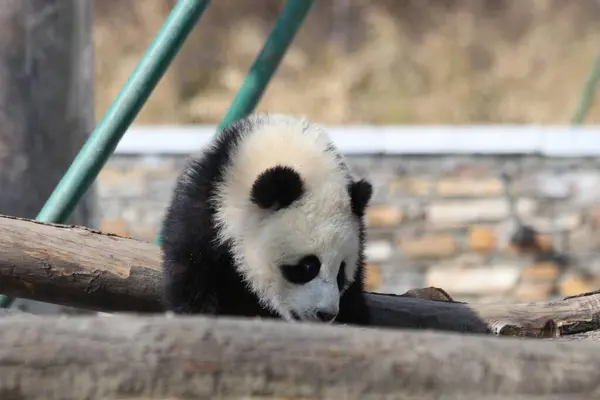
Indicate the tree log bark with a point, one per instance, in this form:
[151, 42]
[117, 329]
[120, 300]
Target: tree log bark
[81, 267]
[77, 266]
[125, 357]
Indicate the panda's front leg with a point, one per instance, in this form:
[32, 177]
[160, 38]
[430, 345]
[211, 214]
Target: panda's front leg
[353, 307]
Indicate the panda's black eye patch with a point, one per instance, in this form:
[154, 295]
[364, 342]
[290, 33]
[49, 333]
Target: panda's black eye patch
[303, 272]
[341, 276]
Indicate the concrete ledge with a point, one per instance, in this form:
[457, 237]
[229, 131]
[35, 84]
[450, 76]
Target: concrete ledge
[550, 141]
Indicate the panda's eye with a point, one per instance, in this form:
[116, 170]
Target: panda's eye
[304, 271]
[341, 276]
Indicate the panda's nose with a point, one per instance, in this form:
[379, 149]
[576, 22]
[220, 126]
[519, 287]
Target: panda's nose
[326, 316]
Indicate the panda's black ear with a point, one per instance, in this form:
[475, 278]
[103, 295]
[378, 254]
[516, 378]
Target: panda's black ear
[360, 195]
[277, 188]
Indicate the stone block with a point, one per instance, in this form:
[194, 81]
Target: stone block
[479, 281]
[399, 279]
[460, 212]
[594, 214]
[552, 186]
[466, 260]
[532, 291]
[469, 187]
[383, 216]
[544, 242]
[122, 183]
[429, 246]
[562, 222]
[163, 171]
[414, 209]
[545, 271]
[115, 226]
[585, 183]
[373, 278]
[411, 187]
[583, 239]
[573, 284]
[590, 264]
[378, 250]
[144, 234]
[479, 169]
[481, 239]
[161, 189]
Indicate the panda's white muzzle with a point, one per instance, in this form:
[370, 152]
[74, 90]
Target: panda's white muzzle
[302, 304]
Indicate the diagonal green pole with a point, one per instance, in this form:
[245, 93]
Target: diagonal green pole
[587, 95]
[266, 63]
[132, 97]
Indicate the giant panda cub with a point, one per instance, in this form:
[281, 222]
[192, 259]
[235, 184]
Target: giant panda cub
[267, 222]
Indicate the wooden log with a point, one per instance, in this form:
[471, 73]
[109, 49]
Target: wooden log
[77, 266]
[125, 357]
[85, 268]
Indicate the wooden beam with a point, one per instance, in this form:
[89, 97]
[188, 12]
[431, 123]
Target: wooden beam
[77, 266]
[201, 358]
[81, 267]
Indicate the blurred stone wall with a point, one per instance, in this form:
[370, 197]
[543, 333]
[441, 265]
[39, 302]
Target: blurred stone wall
[439, 220]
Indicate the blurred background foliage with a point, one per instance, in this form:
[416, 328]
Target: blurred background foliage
[366, 61]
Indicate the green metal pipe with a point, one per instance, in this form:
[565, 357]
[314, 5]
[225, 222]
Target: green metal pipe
[266, 63]
[132, 97]
[587, 95]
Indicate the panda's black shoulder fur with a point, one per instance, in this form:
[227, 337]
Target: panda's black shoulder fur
[199, 276]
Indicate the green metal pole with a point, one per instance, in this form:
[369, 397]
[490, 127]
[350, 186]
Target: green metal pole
[587, 95]
[266, 63]
[132, 97]
[268, 60]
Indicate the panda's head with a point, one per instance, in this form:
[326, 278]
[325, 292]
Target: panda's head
[293, 217]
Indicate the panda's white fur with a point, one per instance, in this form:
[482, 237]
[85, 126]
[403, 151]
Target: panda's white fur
[213, 201]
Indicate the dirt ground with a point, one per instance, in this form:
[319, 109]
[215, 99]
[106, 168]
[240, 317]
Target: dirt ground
[359, 61]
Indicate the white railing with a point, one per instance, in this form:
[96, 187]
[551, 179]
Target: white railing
[547, 140]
